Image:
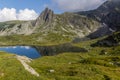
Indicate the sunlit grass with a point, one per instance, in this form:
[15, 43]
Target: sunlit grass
[99, 63]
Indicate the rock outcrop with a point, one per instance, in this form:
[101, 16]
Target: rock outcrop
[24, 60]
[46, 17]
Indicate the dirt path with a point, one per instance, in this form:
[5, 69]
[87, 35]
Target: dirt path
[24, 60]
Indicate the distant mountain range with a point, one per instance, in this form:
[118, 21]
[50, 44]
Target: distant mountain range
[95, 23]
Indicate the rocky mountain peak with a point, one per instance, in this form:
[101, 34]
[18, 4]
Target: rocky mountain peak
[45, 17]
[110, 5]
[113, 0]
[108, 13]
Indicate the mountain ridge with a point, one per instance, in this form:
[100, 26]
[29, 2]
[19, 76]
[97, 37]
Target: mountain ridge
[93, 24]
[108, 13]
[48, 22]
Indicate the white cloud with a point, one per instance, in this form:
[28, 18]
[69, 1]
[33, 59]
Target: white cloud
[81, 5]
[27, 14]
[7, 14]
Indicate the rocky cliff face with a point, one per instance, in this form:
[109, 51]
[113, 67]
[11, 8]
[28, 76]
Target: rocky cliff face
[46, 17]
[16, 27]
[66, 24]
[111, 14]
[108, 13]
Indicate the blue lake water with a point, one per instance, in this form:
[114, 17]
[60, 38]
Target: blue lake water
[22, 50]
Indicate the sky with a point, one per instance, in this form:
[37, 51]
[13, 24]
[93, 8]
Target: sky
[30, 9]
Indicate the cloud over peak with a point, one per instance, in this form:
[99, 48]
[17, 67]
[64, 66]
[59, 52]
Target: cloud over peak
[74, 5]
[7, 14]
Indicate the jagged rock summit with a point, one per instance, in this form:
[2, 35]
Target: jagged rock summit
[45, 17]
[27, 27]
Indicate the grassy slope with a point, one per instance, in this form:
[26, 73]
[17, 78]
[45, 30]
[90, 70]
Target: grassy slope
[97, 64]
[77, 67]
[100, 63]
[34, 39]
[11, 69]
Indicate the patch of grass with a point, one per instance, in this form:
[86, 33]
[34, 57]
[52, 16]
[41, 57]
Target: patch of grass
[34, 39]
[99, 63]
[77, 66]
[12, 69]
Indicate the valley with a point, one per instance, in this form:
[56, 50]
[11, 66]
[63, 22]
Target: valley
[82, 45]
[98, 63]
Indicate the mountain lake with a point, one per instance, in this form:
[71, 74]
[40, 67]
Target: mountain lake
[27, 51]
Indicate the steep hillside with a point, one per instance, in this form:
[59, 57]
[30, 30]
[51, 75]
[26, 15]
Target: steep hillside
[112, 40]
[67, 25]
[108, 13]
[16, 27]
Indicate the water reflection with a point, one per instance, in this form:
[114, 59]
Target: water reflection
[22, 50]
